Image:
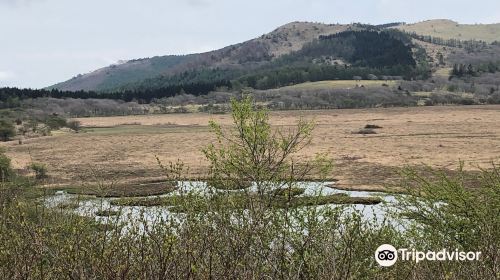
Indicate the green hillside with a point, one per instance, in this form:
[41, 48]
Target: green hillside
[283, 40]
[299, 52]
[345, 55]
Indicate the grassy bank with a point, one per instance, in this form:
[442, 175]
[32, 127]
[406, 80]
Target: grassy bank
[123, 190]
[180, 203]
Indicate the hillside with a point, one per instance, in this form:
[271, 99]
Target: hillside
[299, 52]
[448, 29]
[252, 53]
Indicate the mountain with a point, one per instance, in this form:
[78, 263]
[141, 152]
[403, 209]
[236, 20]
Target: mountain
[252, 53]
[299, 52]
[448, 29]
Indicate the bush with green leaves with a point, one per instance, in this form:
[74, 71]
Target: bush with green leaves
[254, 152]
[7, 130]
[456, 212]
[74, 125]
[5, 166]
[55, 122]
[40, 170]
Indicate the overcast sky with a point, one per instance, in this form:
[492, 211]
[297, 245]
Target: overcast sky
[47, 41]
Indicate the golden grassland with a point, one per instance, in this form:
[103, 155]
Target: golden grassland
[448, 29]
[123, 149]
[443, 72]
[342, 84]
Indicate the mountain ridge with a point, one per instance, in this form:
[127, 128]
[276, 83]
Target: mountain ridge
[282, 40]
[251, 54]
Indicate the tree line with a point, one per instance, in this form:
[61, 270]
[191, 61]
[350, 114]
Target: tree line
[10, 96]
[455, 43]
[461, 70]
[366, 54]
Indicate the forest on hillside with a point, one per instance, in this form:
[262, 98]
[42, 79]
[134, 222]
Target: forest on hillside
[367, 55]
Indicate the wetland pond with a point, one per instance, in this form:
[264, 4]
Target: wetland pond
[372, 205]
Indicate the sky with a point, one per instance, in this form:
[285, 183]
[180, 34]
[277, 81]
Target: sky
[43, 42]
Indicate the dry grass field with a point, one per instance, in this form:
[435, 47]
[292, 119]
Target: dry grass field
[448, 29]
[124, 148]
[336, 84]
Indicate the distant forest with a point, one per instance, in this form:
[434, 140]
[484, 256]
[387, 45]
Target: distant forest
[368, 55]
[461, 70]
[470, 45]
[10, 97]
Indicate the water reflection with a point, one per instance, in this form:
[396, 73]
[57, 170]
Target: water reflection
[91, 205]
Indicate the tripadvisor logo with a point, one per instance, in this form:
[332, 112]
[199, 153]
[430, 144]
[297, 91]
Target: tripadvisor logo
[387, 255]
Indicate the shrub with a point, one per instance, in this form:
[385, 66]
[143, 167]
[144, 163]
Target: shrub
[5, 167]
[181, 110]
[44, 130]
[372, 126]
[428, 102]
[460, 211]
[6, 130]
[365, 131]
[242, 154]
[289, 192]
[452, 88]
[466, 101]
[75, 125]
[55, 122]
[33, 125]
[40, 170]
